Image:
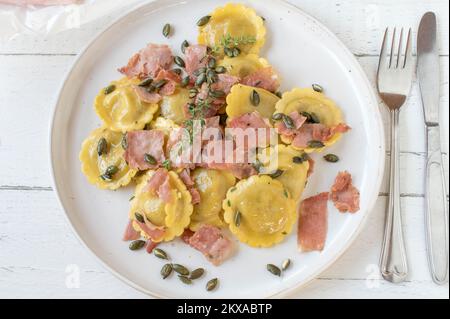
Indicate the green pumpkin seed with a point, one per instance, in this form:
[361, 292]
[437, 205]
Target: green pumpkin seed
[279, 94]
[257, 165]
[217, 94]
[331, 158]
[315, 144]
[137, 244]
[237, 219]
[184, 45]
[277, 116]
[159, 84]
[179, 61]
[212, 284]
[180, 269]
[232, 189]
[111, 170]
[285, 193]
[102, 146]
[310, 117]
[185, 280]
[146, 82]
[315, 118]
[228, 52]
[229, 203]
[131, 198]
[212, 63]
[166, 270]
[221, 69]
[285, 265]
[277, 173]
[185, 81]
[109, 89]
[193, 93]
[124, 141]
[166, 30]
[236, 52]
[197, 273]
[139, 217]
[288, 122]
[200, 79]
[150, 159]
[199, 71]
[160, 253]
[106, 177]
[211, 77]
[298, 159]
[274, 270]
[177, 71]
[317, 88]
[203, 21]
[255, 98]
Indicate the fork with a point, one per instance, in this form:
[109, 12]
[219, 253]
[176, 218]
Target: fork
[394, 77]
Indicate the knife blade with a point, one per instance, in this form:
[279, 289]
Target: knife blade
[436, 210]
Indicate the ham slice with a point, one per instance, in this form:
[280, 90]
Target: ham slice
[195, 58]
[141, 143]
[150, 245]
[148, 62]
[147, 97]
[130, 232]
[187, 180]
[255, 121]
[313, 223]
[298, 120]
[344, 195]
[155, 233]
[212, 243]
[264, 78]
[159, 184]
[186, 236]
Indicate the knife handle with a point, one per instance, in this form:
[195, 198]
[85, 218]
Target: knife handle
[436, 212]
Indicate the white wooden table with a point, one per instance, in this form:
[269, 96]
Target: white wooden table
[36, 245]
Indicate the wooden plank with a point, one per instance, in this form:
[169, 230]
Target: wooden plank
[359, 24]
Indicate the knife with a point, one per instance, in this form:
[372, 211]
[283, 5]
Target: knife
[436, 210]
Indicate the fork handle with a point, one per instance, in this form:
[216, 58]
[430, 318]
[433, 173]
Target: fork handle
[436, 212]
[394, 266]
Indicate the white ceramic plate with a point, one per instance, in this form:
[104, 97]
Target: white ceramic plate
[304, 52]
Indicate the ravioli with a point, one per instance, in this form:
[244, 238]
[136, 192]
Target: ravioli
[259, 211]
[172, 106]
[235, 21]
[212, 186]
[171, 217]
[244, 65]
[310, 101]
[293, 173]
[94, 165]
[122, 110]
[239, 103]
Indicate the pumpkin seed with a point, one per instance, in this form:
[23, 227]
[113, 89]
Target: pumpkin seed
[310, 117]
[102, 146]
[315, 144]
[228, 52]
[159, 84]
[180, 269]
[255, 98]
[285, 193]
[274, 270]
[150, 159]
[131, 198]
[146, 82]
[211, 77]
[185, 81]
[229, 203]
[185, 280]
[331, 158]
[193, 93]
[199, 71]
[179, 61]
[203, 21]
[139, 217]
[137, 244]
[217, 94]
[166, 270]
[288, 122]
[109, 89]
[315, 118]
[184, 45]
[124, 141]
[279, 94]
[200, 79]
[237, 219]
[277, 116]
[177, 71]
[257, 166]
[232, 189]
[166, 30]
[221, 69]
[236, 52]
[160, 253]
[277, 173]
[317, 88]
[212, 284]
[111, 170]
[285, 265]
[212, 63]
[197, 273]
[299, 159]
[106, 177]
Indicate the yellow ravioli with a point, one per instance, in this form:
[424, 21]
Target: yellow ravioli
[244, 65]
[172, 106]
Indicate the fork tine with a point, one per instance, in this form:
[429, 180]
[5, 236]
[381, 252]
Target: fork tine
[408, 51]
[399, 52]
[382, 64]
[392, 47]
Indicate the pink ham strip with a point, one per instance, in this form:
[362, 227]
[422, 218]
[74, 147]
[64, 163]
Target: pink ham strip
[298, 120]
[159, 184]
[186, 236]
[148, 62]
[130, 232]
[187, 180]
[195, 58]
[313, 223]
[141, 143]
[344, 195]
[152, 231]
[212, 243]
[264, 78]
[150, 245]
[147, 97]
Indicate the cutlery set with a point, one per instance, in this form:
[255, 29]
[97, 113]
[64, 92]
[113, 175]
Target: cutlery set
[394, 78]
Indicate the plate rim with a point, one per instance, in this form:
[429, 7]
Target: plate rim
[324, 29]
